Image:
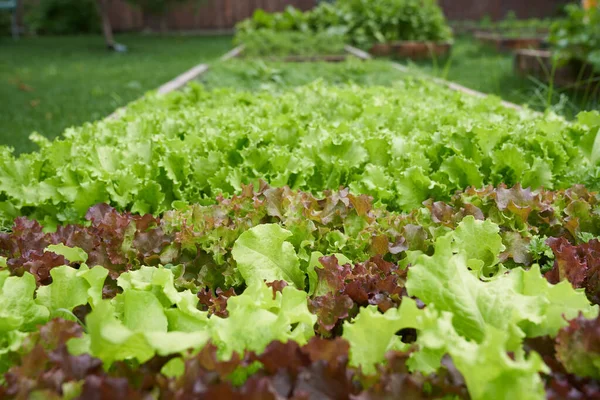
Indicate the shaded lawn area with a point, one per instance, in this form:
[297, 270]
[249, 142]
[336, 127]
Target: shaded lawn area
[48, 84]
[481, 67]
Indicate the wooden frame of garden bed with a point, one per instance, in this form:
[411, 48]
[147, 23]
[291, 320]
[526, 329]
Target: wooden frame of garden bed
[412, 49]
[193, 73]
[539, 63]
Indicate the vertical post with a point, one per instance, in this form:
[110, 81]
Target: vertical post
[106, 26]
[14, 27]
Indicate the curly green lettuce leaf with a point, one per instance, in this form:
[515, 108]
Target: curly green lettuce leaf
[263, 254]
[149, 317]
[258, 317]
[18, 309]
[519, 302]
[488, 369]
[70, 288]
[371, 336]
[481, 242]
[19, 313]
[73, 254]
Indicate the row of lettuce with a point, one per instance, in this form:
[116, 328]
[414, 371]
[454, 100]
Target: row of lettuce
[473, 291]
[201, 247]
[401, 144]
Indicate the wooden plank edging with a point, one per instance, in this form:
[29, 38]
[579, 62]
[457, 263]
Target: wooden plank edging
[357, 52]
[183, 79]
[233, 53]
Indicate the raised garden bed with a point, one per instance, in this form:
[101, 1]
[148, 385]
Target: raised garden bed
[509, 43]
[325, 58]
[415, 50]
[540, 64]
[302, 266]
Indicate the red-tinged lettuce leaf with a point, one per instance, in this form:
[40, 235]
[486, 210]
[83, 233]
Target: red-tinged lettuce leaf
[44, 367]
[215, 303]
[578, 347]
[205, 375]
[373, 282]
[38, 264]
[277, 286]
[107, 242]
[395, 381]
[559, 384]
[570, 387]
[200, 238]
[96, 387]
[542, 212]
[341, 289]
[316, 370]
[578, 264]
[331, 310]
[46, 364]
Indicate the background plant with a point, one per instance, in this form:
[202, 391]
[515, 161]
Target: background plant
[366, 22]
[577, 37]
[63, 17]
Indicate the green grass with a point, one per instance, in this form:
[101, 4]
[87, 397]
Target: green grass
[48, 84]
[481, 67]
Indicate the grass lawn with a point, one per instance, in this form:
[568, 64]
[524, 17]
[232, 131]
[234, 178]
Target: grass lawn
[482, 68]
[48, 84]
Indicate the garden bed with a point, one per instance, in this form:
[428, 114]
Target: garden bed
[255, 75]
[317, 58]
[540, 64]
[414, 50]
[509, 43]
[290, 277]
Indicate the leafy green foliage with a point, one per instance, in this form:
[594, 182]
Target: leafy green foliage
[320, 366]
[212, 299]
[63, 17]
[577, 37]
[265, 247]
[392, 20]
[364, 22]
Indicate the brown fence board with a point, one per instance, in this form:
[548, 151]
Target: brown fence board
[497, 9]
[224, 14]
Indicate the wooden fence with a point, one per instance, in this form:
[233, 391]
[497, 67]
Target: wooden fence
[224, 14]
[198, 15]
[497, 9]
